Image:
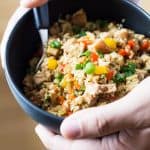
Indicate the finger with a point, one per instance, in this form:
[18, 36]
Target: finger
[32, 3]
[50, 140]
[129, 112]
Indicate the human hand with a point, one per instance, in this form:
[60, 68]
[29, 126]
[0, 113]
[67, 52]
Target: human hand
[34, 3]
[124, 124]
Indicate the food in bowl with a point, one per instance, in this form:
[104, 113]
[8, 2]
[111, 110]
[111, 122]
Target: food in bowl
[86, 64]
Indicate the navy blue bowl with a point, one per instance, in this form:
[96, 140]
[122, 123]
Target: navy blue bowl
[23, 40]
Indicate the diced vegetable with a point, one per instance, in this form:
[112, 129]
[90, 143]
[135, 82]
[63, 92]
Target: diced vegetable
[101, 55]
[79, 66]
[111, 43]
[94, 57]
[86, 53]
[110, 75]
[128, 69]
[58, 78]
[119, 77]
[63, 83]
[58, 75]
[145, 44]
[55, 44]
[61, 99]
[52, 63]
[131, 43]
[77, 85]
[123, 52]
[89, 68]
[82, 33]
[101, 70]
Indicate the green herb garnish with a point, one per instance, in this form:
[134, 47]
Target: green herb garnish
[128, 69]
[119, 78]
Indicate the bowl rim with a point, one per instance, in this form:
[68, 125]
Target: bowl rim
[12, 24]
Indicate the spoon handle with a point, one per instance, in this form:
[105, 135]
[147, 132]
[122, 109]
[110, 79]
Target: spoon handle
[41, 15]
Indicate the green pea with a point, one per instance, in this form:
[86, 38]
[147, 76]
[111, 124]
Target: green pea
[89, 68]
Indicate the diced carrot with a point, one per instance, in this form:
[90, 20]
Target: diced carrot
[71, 96]
[61, 99]
[123, 52]
[145, 44]
[110, 74]
[77, 85]
[131, 43]
[94, 57]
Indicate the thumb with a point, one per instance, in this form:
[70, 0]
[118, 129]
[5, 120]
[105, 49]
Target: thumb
[131, 111]
[32, 3]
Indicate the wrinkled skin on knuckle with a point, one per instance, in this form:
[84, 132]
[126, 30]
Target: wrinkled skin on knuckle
[102, 125]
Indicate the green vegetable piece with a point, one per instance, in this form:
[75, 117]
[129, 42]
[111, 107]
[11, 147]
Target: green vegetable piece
[101, 55]
[55, 44]
[86, 53]
[128, 69]
[89, 68]
[79, 66]
[119, 78]
[58, 75]
[82, 33]
[57, 81]
[47, 98]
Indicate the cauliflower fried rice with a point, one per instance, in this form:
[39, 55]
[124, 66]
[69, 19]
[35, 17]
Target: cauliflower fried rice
[86, 64]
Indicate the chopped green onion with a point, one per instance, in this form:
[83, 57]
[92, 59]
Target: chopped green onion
[82, 33]
[59, 75]
[79, 66]
[86, 53]
[55, 44]
[89, 68]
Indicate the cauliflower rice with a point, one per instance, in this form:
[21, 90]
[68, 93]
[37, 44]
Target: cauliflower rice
[86, 64]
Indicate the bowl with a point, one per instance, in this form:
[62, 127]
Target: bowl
[21, 41]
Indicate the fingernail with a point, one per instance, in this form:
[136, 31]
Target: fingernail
[70, 129]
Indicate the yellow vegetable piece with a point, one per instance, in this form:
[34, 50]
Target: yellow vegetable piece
[52, 63]
[101, 70]
[111, 43]
[63, 83]
[66, 80]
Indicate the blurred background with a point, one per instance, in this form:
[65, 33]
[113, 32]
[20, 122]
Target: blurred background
[16, 128]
